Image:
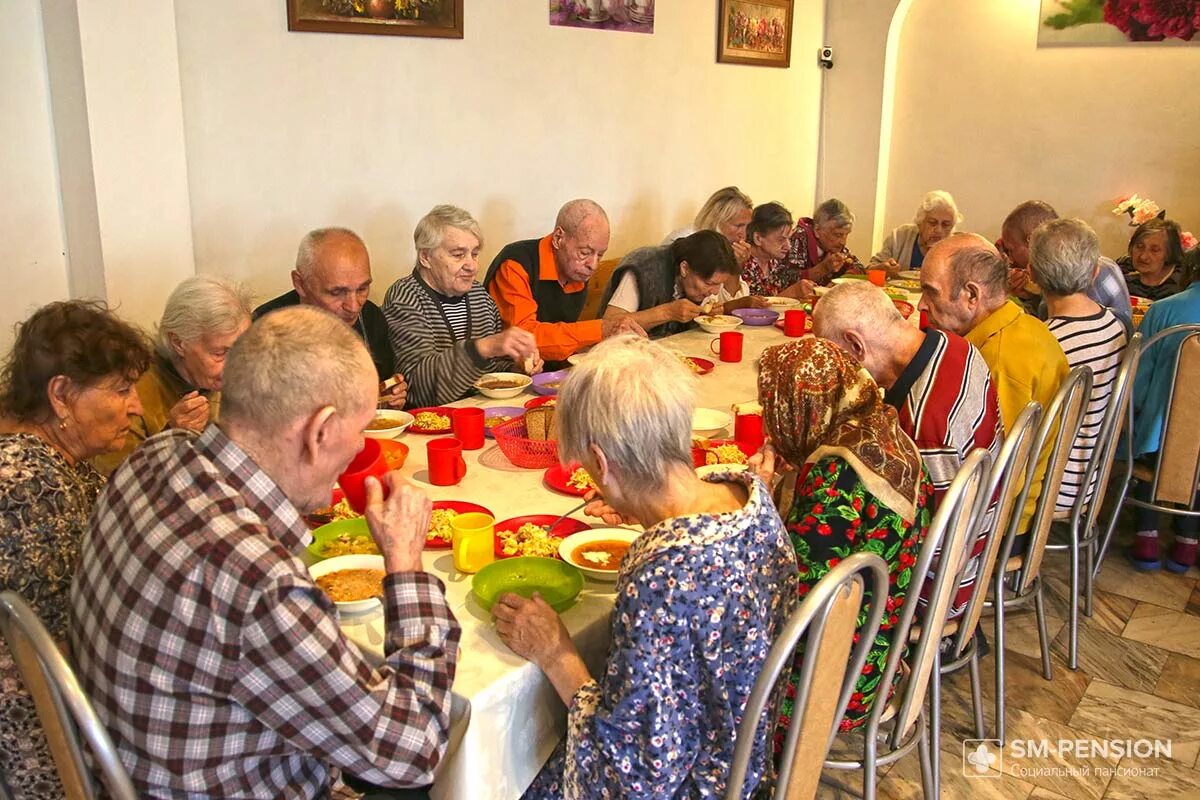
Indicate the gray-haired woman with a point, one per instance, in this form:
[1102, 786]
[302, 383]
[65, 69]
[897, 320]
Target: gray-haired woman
[905, 248]
[700, 595]
[818, 251]
[203, 317]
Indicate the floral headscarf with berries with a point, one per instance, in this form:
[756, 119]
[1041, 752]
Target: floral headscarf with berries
[818, 401]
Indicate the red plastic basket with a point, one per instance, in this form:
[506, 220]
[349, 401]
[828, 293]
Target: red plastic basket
[513, 440]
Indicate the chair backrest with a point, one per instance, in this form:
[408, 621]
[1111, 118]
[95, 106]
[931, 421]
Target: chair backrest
[596, 286]
[827, 621]
[1004, 485]
[1058, 430]
[1175, 479]
[62, 707]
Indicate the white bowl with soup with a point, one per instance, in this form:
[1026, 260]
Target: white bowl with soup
[354, 583]
[388, 423]
[597, 552]
[708, 422]
[502, 385]
[718, 323]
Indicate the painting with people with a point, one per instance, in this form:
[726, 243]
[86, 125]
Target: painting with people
[755, 26]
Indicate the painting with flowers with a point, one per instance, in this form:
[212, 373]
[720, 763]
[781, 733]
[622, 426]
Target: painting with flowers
[440, 18]
[1118, 21]
[630, 16]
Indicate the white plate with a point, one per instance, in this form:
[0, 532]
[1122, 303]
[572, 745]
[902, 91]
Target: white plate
[782, 302]
[718, 323]
[910, 274]
[338, 563]
[503, 394]
[402, 418]
[708, 469]
[708, 422]
[568, 545]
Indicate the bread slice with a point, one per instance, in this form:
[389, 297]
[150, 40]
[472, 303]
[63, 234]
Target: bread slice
[539, 424]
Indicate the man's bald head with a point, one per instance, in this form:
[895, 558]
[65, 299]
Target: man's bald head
[963, 280]
[580, 239]
[862, 320]
[333, 272]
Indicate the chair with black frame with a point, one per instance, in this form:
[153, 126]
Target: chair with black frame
[66, 714]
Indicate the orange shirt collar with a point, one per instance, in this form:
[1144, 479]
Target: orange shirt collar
[548, 269]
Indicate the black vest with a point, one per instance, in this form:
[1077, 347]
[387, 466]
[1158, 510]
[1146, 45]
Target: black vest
[554, 305]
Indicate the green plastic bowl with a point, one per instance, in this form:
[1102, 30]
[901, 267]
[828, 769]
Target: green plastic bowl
[325, 534]
[558, 583]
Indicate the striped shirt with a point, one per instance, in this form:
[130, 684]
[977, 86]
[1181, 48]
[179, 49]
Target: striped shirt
[1098, 342]
[433, 337]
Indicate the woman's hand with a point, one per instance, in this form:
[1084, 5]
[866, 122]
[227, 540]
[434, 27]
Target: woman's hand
[762, 463]
[531, 628]
[741, 252]
[190, 413]
[682, 310]
[597, 507]
[517, 344]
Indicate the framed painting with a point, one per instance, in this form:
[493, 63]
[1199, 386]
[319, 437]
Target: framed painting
[442, 18]
[757, 32]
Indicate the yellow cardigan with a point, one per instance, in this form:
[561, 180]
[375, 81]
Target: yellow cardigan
[1027, 363]
[160, 387]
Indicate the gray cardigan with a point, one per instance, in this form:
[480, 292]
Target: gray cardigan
[898, 245]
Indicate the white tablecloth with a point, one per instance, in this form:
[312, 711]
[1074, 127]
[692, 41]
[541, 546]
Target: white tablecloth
[506, 717]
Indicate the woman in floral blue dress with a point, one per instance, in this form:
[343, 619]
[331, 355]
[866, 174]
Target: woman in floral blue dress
[700, 595]
[860, 486]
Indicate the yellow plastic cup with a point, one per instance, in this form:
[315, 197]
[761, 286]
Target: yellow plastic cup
[473, 537]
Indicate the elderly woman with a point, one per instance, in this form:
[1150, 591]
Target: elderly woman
[203, 317]
[860, 485]
[700, 595]
[818, 244]
[67, 395]
[443, 325]
[727, 212]
[1064, 257]
[906, 246]
[1155, 260]
[664, 288]
[766, 271]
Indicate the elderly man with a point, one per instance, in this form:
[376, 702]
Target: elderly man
[540, 284]
[333, 272]
[964, 284]
[937, 382]
[1107, 288]
[818, 251]
[210, 655]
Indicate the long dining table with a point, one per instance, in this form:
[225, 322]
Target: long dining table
[506, 718]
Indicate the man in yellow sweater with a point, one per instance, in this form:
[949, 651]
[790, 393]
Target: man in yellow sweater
[964, 285]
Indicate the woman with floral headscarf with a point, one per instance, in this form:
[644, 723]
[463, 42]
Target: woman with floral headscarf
[861, 485]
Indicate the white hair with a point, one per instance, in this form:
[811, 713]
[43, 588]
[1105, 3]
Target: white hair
[1063, 254]
[634, 400]
[292, 363]
[203, 305]
[858, 306]
[431, 229]
[938, 198]
[835, 212]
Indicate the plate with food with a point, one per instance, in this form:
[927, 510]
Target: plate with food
[781, 302]
[808, 322]
[337, 509]
[718, 323]
[700, 366]
[570, 479]
[431, 420]
[910, 274]
[708, 452]
[547, 383]
[502, 385]
[440, 535]
[756, 316]
[354, 583]
[388, 423]
[905, 308]
[556, 581]
[530, 535]
[907, 284]
[348, 536]
[498, 415]
[597, 552]
[548, 400]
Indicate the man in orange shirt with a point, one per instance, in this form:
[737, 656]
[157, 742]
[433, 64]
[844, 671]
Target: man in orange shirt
[540, 284]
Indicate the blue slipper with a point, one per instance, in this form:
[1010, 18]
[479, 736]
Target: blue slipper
[1145, 566]
[1174, 566]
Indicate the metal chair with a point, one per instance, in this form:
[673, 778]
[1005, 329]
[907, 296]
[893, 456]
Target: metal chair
[827, 620]
[62, 707]
[1178, 458]
[903, 713]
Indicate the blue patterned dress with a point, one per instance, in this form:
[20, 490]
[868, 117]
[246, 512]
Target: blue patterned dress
[699, 602]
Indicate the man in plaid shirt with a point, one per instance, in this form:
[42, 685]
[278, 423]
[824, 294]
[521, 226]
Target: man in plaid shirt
[212, 658]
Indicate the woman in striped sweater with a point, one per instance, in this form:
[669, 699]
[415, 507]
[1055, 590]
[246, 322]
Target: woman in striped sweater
[443, 326]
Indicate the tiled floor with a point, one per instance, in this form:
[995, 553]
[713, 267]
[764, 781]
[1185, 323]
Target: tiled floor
[1138, 678]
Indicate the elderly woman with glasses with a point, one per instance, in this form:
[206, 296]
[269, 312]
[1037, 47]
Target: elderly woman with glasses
[203, 317]
[444, 326]
[700, 595]
[818, 249]
[67, 395]
[905, 248]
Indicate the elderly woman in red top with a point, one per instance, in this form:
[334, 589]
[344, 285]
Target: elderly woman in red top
[818, 244]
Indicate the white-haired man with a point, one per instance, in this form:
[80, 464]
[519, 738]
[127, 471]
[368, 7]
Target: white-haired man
[938, 383]
[333, 272]
[210, 655]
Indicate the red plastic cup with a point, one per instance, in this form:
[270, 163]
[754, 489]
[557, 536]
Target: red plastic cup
[877, 276]
[446, 464]
[923, 322]
[748, 430]
[794, 322]
[730, 345]
[467, 425]
[368, 462]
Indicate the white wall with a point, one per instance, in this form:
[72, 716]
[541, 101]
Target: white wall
[981, 111]
[34, 264]
[288, 131]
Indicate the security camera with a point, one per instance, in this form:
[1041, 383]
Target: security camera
[825, 57]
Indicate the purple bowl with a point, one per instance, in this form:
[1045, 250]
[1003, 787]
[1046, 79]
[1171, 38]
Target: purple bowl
[539, 382]
[756, 316]
[500, 411]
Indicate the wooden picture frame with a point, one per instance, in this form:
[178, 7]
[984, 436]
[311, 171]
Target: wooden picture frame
[769, 44]
[438, 18]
